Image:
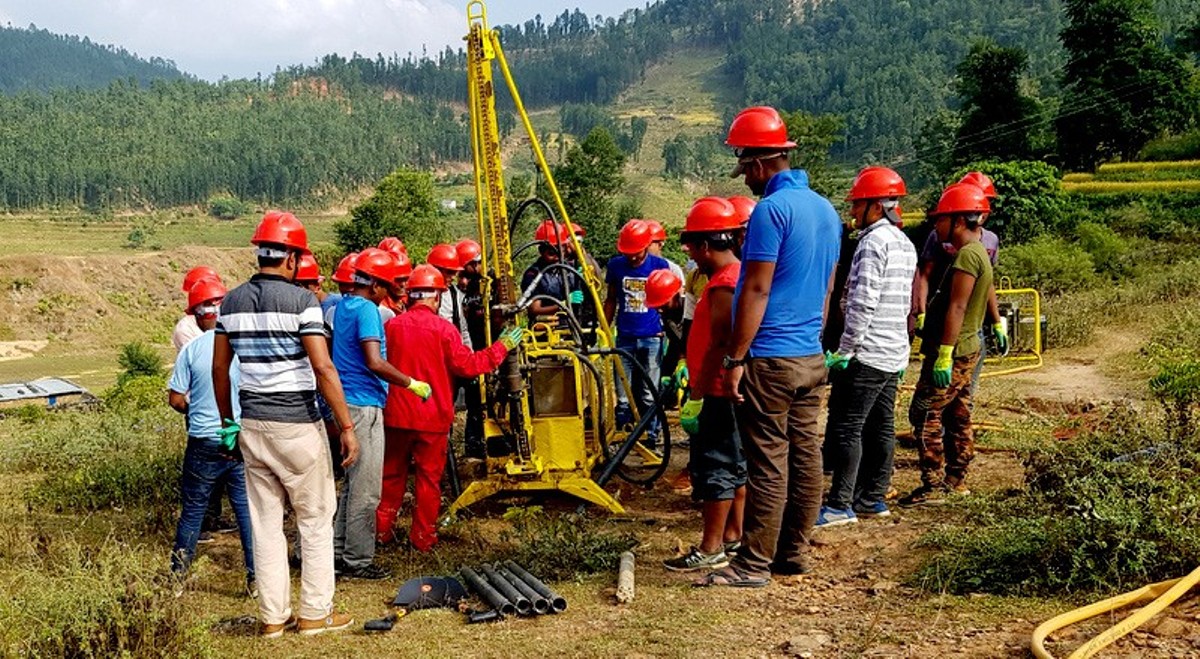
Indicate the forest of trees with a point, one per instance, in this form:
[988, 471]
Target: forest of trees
[896, 77]
[38, 60]
[178, 142]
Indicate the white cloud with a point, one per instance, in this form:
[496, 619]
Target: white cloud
[239, 38]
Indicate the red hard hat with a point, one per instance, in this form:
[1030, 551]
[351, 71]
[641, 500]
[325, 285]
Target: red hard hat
[203, 290]
[196, 274]
[876, 183]
[344, 274]
[634, 238]
[657, 232]
[579, 230]
[661, 287]
[551, 232]
[468, 250]
[426, 277]
[759, 127]
[983, 181]
[309, 269]
[743, 206]
[404, 267]
[444, 256]
[962, 198]
[393, 245]
[279, 228]
[376, 263]
[711, 214]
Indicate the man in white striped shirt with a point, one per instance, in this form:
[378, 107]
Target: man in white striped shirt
[276, 331]
[873, 352]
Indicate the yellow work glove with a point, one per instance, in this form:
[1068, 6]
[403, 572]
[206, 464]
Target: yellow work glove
[419, 388]
[1000, 332]
[943, 367]
[689, 416]
[511, 338]
[920, 321]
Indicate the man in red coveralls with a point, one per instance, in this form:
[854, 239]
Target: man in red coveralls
[432, 350]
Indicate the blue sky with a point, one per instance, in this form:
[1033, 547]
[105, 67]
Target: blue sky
[240, 38]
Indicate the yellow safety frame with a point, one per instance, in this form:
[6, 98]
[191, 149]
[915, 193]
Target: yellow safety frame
[1033, 360]
[541, 469]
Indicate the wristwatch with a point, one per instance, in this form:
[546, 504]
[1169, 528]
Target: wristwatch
[729, 362]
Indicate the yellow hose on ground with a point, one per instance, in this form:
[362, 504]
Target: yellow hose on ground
[1161, 595]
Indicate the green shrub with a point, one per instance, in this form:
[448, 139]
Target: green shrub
[29, 414]
[138, 392]
[1108, 510]
[1109, 251]
[1049, 264]
[405, 205]
[1174, 147]
[561, 546]
[1031, 200]
[228, 207]
[65, 599]
[138, 359]
[1177, 387]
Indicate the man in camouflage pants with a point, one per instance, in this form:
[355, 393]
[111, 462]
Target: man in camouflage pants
[941, 408]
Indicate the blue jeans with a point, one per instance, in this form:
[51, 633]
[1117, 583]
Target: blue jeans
[648, 352]
[861, 435]
[203, 468]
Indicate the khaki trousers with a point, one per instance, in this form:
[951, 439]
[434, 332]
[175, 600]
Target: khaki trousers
[778, 424]
[290, 462]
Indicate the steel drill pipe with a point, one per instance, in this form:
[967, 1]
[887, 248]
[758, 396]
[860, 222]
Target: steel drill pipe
[489, 594]
[524, 606]
[558, 603]
[541, 605]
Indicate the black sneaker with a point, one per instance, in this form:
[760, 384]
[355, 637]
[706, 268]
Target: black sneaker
[370, 572]
[732, 548]
[697, 560]
[205, 538]
[221, 525]
[925, 494]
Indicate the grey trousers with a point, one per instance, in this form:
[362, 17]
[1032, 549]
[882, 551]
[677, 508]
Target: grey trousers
[354, 525]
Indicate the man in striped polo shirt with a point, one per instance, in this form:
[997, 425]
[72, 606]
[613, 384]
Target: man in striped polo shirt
[874, 350]
[276, 330]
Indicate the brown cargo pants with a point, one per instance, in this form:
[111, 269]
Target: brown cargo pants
[778, 424]
[941, 420]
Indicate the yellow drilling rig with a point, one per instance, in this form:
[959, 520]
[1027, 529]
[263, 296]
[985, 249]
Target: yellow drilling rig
[549, 412]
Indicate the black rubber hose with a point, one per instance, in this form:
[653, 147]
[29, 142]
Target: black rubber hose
[655, 410]
[601, 399]
[489, 594]
[558, 603]
[541, 605]
[524, 606]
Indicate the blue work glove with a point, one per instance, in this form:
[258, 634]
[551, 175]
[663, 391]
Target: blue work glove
[1000, 332]
[421, 389]
[943, 367]
[576, 297]
[900, 375]
[511, 338]
[689, 416]
[836, 361]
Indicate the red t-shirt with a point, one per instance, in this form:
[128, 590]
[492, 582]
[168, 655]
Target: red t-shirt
[700, 336]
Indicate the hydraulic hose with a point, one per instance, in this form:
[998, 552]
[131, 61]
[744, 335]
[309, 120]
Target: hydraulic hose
[612, 462]
[1160, 594]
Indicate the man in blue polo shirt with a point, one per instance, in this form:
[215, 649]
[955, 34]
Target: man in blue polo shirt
[775, 365]
[639, 328]
[360, 357]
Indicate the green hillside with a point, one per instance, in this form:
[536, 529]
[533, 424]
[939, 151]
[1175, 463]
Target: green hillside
[38, 60]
